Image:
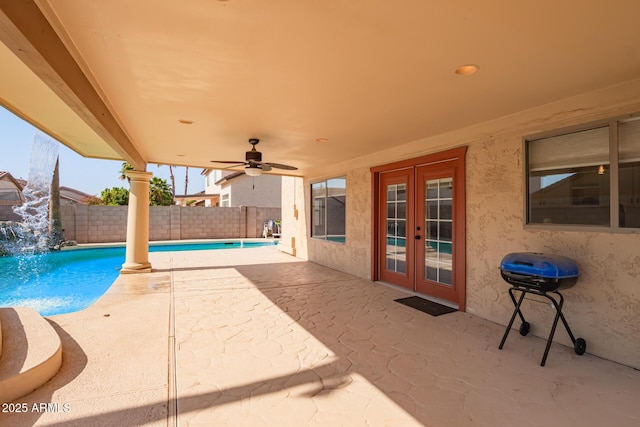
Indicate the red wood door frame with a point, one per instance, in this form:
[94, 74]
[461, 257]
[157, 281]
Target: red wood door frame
[455, 161]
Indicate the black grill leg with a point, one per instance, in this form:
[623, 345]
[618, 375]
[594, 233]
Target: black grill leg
[513, 316]
[564, 320]
[559, 315]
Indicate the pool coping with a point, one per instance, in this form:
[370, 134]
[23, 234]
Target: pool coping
[168, 243]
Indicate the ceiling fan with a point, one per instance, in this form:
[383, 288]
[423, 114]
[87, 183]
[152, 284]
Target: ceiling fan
[253, 164]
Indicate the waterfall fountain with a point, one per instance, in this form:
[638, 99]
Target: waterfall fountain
[31, 234]
[34, 352]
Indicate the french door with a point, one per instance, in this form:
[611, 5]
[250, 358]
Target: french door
[420, 225]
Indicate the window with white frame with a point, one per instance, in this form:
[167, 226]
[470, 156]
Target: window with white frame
[328, 209]
[225, 200]
[589, 177]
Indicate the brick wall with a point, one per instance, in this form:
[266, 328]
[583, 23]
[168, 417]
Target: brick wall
[103, 224]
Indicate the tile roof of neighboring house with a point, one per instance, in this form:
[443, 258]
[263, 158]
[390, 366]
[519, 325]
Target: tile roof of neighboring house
[73, 195]
[20, 183]
[197, 199]
[229, 177]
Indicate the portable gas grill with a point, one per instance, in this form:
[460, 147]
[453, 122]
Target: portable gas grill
[540, 274]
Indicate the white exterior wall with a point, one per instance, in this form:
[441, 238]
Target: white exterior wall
[261, 191]
[210, 186]
[603, 307]
[241, 192]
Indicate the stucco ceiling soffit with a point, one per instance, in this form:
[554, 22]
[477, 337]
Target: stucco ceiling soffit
[28, 34]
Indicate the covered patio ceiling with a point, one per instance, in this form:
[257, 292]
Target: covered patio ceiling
[319, 82]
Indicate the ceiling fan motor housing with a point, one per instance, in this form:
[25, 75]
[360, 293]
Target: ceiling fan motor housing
[253, 155]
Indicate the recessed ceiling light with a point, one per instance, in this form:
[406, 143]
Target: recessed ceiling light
[185, 122]
[466, 70]
[322, 139]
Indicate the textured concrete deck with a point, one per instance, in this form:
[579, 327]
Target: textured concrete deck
[254, 337]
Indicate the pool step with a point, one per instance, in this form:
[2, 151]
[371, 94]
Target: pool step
[31, 352]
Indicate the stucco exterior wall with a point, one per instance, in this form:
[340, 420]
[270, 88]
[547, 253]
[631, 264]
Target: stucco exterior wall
[294, 217]
[354, 256]
[603, 307]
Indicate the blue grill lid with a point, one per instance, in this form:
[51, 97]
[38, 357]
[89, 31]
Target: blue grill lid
[539, 265]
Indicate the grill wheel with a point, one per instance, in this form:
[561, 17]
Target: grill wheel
[580, 346]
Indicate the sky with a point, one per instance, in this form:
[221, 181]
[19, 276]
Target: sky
[90, 176]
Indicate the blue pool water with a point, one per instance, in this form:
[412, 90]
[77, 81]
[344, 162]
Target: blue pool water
[72, 280]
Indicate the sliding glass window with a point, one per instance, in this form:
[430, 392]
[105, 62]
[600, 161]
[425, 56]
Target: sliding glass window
[629, 174]
[328, 209]
[573, 178]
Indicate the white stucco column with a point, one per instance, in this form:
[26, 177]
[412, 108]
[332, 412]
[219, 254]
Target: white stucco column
[137, 251]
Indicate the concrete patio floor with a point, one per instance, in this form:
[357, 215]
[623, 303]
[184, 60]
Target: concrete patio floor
[255, 337]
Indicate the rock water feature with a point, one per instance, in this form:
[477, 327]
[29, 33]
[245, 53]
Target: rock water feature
[31, 235]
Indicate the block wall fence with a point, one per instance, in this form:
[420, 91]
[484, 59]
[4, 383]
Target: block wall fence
[106, 224]
[6, 213]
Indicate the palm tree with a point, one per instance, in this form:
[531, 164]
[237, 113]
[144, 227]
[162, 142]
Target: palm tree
[159, 192]
[186, 180]
[172, 178]
[124, 169]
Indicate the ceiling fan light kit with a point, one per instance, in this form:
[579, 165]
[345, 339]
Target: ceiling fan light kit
[252, 170]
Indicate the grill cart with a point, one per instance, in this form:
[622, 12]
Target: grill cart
[543, 275]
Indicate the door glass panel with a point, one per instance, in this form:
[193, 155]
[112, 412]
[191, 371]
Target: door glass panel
[431, 229]
[438, 230]
[401, 229]
[432, 209]
[445, 232]
[391, 193]
[402, 192]
[396, 228]
[391, 263]
[446, 211]
[401, 210]
[391, 228]
[431, 250]
[446, 188]
[391, 210]
[432, 190]
[431, 271]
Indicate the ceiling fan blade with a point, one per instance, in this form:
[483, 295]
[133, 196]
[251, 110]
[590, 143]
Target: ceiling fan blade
[227, 161]
[280, 166]
[262, 165]
[237, 165]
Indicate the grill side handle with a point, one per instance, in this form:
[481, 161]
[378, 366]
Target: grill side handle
[528, 264]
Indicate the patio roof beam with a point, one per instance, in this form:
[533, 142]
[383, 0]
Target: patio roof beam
[27, 33]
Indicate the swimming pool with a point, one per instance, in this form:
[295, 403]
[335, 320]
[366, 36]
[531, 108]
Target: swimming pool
[72, 280]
